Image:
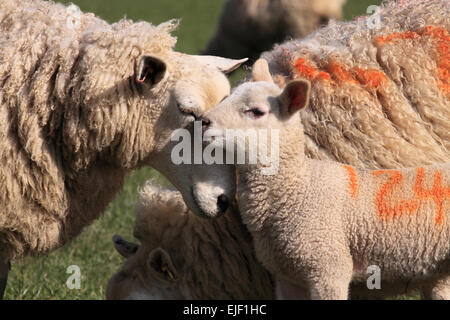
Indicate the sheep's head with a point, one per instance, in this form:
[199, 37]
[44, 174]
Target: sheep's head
[155, 268]
[200, 83]
[147, 274]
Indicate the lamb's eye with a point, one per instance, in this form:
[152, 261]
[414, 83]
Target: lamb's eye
[255, 112]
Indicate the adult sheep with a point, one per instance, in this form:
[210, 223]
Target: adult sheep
[82, 103]
[379, 96]
[176, 245]
[249, 27]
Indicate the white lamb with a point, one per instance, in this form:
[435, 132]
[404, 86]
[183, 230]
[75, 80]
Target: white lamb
[317, 225]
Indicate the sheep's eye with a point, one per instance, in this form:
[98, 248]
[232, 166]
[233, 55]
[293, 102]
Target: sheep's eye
[255, 112]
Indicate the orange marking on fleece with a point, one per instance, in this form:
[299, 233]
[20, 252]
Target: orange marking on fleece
[373, 79]
[389, 211]
[310, 72]
[338, 72]
[438, 193]
[443, 48]
[352, 180]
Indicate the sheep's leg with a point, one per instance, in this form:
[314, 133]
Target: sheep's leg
[4, 270]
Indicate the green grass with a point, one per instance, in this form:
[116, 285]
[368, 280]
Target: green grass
[45, 277]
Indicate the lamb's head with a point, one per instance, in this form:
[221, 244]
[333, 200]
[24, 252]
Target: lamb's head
[259, 104]
[258, 119]
[255, 108]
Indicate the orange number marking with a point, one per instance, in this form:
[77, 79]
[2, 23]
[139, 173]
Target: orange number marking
[396, 210]
[352, 180]
[438, 193]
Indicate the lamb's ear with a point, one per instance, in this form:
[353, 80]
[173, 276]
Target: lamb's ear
[260, 71]
[161, 266]
[223, 64]
[294, 97]
[123, 247]
[150, 70]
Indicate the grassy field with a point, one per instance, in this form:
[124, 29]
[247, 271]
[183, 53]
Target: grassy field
[45, 277]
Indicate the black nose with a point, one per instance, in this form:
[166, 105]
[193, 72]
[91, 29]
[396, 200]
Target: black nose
[223, 203]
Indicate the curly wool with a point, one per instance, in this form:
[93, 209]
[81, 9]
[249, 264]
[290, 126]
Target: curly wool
[72, 121]
[223, 245]
[379, 96]
[267, 22]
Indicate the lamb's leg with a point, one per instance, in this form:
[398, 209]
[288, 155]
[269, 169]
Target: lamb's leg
[4, 270]
[332, 280]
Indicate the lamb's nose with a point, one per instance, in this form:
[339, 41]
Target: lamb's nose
[223, 203]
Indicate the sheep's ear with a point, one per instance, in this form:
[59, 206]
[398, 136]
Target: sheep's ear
[150, 70]
[260, 71]
[294, 97]
[223, 64]
[123, 247]
[161, 265]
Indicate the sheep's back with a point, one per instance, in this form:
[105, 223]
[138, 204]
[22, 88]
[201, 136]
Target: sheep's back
[380, 96]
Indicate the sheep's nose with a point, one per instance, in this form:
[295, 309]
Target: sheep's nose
[223, 203]
[205, 124]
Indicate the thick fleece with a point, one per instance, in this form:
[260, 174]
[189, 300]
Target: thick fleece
[82, 103]
[249, 27]
[209, 259]
[380, 97]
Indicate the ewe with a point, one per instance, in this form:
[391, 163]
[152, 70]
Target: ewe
[317, 225]
[249, 27]
[182, 256]
[82, 103]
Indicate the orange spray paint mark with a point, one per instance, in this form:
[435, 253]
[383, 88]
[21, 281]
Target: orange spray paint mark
[443, 48]
[310, 72]
[438, 192]
[352, 180]
[398, 208]
[338, 73]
